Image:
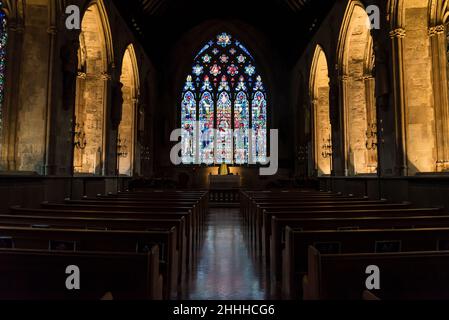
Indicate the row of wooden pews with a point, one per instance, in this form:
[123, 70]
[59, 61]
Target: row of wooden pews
[132, 245]
[317, 245]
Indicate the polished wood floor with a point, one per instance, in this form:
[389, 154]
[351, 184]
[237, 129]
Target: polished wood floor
[224, 270]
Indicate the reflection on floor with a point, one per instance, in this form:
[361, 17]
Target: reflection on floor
[224, 270]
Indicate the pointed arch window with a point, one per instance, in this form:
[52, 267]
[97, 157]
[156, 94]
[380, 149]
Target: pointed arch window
[3, 43]
[226, 93]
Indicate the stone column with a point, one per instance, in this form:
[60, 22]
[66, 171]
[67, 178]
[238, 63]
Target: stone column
[11, 102]
[50, 123]
[371, 119]
[344, 122]
[397, 39]
[110, 127]
[336, 113]
[438, 41]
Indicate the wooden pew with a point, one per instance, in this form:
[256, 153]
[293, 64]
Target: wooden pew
[263, 229]
[295, 253]
[135, 212]
[115, 205]
[40, 275]
[404, 275]
[255, 215]
[106, 241]
[337, 212]
[278, 225]
[93, 223]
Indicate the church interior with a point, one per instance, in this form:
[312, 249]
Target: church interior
[224, 150]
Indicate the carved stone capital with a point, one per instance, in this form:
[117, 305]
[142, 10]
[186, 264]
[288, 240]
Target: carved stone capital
[82, 75]
[398, 33]
[106, 76]
[436, 30]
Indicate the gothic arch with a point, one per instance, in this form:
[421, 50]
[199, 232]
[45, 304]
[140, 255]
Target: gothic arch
[319, 95]
[127, 129]
[355, 65]
[95, 58]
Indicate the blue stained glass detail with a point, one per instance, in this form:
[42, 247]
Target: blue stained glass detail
[225, 95]
[224, 39]
[198, 70]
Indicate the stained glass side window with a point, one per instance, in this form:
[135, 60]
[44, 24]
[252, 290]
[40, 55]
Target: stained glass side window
[221, 94]
[241, 124]
[3, 43]
[224, 133]
[259, 126]
[188, 122]
[206, 123]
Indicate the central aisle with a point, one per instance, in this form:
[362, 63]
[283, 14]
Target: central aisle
[224, 271]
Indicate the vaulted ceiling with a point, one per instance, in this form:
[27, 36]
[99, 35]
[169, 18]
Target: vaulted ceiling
[287, 24]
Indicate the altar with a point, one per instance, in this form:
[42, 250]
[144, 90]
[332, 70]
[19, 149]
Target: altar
[224, 182]
[224, 188]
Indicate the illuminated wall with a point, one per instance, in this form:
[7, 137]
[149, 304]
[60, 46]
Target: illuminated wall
[420, 113]
[127, 130]
[91, 93]
[319, 92]
[358, 92]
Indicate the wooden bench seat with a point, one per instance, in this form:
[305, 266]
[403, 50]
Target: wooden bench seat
[404, 275]
[278, 225]
[103, 241]
[262, 229]
[93, 223]
[295, 253]
[40, 275]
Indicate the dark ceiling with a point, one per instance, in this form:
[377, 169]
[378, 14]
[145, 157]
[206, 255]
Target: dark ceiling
[287, 24]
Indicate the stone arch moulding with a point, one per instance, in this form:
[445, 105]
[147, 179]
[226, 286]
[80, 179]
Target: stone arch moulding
[107, 33]
[355, 62]
[319, 89]
[94, 84]
[127, 131]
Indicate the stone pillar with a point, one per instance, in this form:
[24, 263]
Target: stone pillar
[11, 102]
[438, 41]
[344, 150]
[109, 152]
[315, 142]
[371, 120]
[50, 122]
[336, 93]
[397, 39]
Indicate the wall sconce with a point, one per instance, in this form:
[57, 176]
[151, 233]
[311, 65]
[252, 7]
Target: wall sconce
[327, 148]
[79, 137]
[371, 137]
[122, 147]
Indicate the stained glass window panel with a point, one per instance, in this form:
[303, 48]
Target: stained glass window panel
[241, 126]
[224, 93]
[206, 124]
[188, 128]
[259, 126]
[224, 129]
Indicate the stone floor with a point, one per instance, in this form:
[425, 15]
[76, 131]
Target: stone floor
[224, 270]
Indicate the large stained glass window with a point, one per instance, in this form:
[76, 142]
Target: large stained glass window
[224, 106]
[3, 42]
